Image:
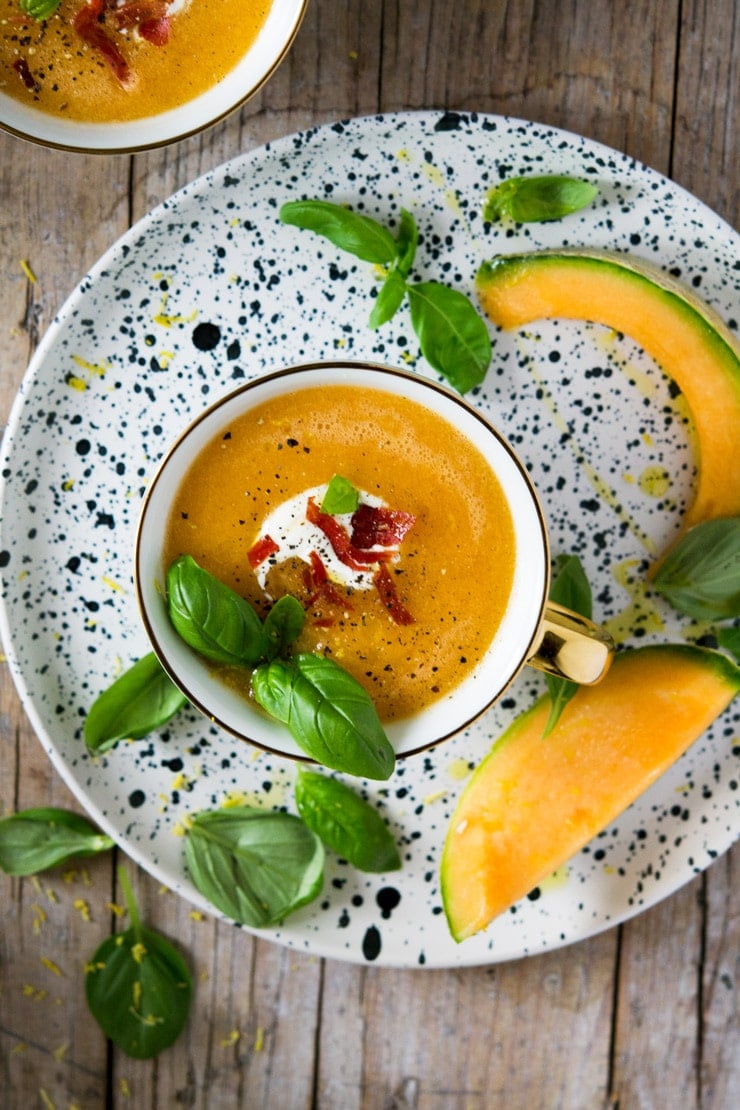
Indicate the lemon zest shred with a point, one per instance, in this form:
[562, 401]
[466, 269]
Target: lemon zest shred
[230, 1039]
[113, 584]
[434, 797]
[83, 908]
[48, 1104]
[138, 951]
[25, 266]
[259, 1039]
[39, 917]
[60, 1052]
[52, 967]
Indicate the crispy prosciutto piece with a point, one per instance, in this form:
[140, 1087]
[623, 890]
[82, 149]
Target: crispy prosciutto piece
[339, 539]
[321, 587]
[21, 67]
[87, 23]
[156, 31]
[386, 587]
[373, 525]
[261, 550]
[149, 17]
[134, 12]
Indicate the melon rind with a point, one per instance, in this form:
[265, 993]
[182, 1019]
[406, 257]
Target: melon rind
[685, 337]
[535, 801]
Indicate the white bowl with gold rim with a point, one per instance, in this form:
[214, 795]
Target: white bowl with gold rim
[24, 118]
[530, 630]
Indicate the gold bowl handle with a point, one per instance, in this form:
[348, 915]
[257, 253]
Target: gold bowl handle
[572, 647]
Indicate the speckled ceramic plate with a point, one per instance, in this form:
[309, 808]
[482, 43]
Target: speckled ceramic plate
[209, 290]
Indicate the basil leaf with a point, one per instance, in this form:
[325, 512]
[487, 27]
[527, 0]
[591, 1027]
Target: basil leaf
[406, 243]
[453, 337]
[729, 639]
[255, 865]
[211, 617]
[328, 713]
[340, 497]
[570, 588]
[283, 624]
[700, 576]
[346, 822]
[37, 839]
[143, 699]
[39, 9]
[138, 988]
[534, 199]
[389, 299]
[348, 230]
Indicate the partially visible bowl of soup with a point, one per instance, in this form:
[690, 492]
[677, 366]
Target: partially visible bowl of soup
[122, 75]
[428, 586]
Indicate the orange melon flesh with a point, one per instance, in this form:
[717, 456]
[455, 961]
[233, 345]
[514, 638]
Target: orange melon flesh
[685, 337]
[534, 802]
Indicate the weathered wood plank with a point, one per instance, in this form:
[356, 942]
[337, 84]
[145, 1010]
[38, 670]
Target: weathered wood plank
[705, 151]
[657, 1030]
[49, 1040]
[680, 1023]
[474, 1038]
[719, 1060]
[569, 64]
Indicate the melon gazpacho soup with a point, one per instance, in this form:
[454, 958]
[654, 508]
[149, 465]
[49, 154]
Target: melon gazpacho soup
[407, 589]
[105, 60]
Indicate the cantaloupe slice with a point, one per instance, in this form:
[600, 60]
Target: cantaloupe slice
[686, 338]
[534, 802]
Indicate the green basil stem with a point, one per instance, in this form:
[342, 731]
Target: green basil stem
[129, 899]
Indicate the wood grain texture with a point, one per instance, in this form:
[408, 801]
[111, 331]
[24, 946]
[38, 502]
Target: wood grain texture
[644, 1015]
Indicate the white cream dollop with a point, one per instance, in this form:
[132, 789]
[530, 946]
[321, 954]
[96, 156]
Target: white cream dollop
[297, 537]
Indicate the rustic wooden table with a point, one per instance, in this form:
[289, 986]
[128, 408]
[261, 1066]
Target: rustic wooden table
[642, 1016]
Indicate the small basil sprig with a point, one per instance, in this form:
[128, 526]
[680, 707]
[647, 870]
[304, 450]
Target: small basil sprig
[700, 576]
[39, 9]
[534, 199]
[138, 987]
[327, 712]
[36, 839]
[255, 865]
[340, 496]
[212, 618]
[345, 822]
[143, 699]
[453, 338]
[570, 588]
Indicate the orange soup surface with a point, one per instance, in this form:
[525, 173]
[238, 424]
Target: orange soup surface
[410, 626]
[104, 69]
